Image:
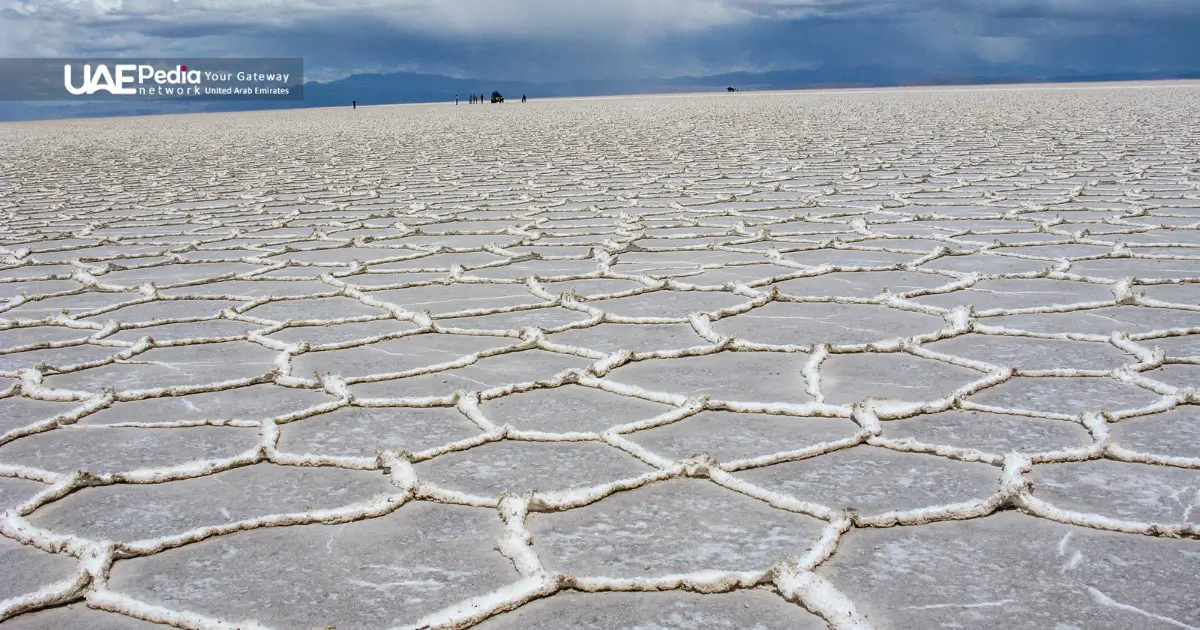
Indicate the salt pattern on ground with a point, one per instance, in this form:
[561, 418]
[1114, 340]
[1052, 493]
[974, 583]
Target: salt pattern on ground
[1015, 265]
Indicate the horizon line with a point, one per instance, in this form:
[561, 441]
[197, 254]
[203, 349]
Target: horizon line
[816, 89]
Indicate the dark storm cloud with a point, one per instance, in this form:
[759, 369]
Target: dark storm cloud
[564, 39]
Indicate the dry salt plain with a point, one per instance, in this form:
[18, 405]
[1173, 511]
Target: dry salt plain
[892, 359]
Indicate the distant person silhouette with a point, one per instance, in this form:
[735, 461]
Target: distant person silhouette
[522, 98]
[456, 99]
[353, 104]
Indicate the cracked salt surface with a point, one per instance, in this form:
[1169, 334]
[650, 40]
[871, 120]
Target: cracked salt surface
[940, 372]
[1011, 570]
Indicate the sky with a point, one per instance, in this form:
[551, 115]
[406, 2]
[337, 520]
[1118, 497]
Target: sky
[555, 40]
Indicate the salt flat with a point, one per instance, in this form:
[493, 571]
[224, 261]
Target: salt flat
[869, 359]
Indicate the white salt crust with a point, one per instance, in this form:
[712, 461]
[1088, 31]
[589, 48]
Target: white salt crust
[763, 203]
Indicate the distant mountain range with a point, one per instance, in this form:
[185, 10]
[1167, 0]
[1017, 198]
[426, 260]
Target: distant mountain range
[407, 87]
[403, 87]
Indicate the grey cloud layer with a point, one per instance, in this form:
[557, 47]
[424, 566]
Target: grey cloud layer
[552, 17]
[640, 36]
